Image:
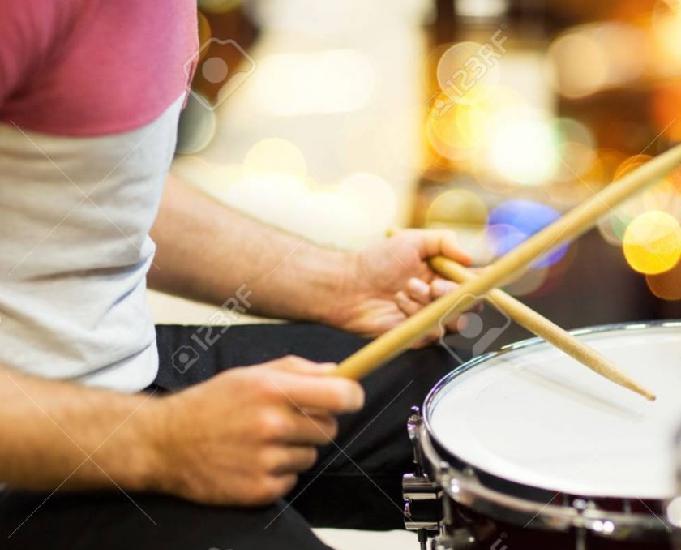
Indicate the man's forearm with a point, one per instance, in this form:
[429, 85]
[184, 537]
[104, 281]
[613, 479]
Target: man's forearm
[207, 251]
[58, 434]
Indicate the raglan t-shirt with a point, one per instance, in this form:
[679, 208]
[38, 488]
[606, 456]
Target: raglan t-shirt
[90, 94]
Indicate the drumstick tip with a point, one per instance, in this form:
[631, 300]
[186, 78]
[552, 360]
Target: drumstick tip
[645, 393]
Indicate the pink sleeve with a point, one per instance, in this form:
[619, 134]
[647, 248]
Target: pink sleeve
[27, 32]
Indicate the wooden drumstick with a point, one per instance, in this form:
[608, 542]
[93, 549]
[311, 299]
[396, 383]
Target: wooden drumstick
[542, 327]
[508, 267]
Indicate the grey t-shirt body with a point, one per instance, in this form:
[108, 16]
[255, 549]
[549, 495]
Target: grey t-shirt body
[75, 215]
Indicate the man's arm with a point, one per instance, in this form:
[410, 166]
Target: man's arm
[239, 438]
[57, 432]
[206, 251]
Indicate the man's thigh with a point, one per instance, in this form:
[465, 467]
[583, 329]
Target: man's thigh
[116, 521]
[357, 480]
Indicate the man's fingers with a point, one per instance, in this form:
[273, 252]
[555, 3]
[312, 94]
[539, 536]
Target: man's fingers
[302, 366]
[272, 487]
[305, 387]
[436, 242]
[292, 426]
[289, 459]
[440, 287]
[313, 429]
[419, 291]
[406, 304]
[449, 247]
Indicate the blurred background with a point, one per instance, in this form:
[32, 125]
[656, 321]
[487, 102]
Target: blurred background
[338, 120]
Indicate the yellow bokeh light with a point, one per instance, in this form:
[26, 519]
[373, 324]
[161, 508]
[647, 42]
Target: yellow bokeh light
[457, 207]
[205, 34]
[574, 77]
[314, 82]
[576, 149]
[666, 25]
[523, 148]
[667, 285]
[373, 197]
[661, 197]
[462, 68]
[218, 6]
[652, 242]
[275, 155]
[458, 129]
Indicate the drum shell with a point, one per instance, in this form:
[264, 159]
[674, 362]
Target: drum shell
[495, 526]
[467, 516]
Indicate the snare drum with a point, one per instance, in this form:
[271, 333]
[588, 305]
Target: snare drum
[525, 448]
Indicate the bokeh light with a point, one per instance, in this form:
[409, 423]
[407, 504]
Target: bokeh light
[457, 207]
[276, 155]
[630, 164]
[478, 9]
[529, 282]
[513, 221]
[589, 58]
[373, 196]
[666, 108]
[461, 129]
[612, 227]
[575, 77]
[218, 6]
[456, 129]
[667, 285]
[197, 126]
[319, 82]
[460, 69]
[664, 196]
[652, 242]
[523, 148]
[205, 34]
[666, 28]
[576, 149]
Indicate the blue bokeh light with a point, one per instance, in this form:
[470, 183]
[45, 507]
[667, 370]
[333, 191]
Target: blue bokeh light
[513, 221]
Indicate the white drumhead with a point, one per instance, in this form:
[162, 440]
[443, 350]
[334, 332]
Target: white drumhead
[537, 417]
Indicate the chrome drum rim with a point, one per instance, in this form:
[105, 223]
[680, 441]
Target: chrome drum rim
[464, 486]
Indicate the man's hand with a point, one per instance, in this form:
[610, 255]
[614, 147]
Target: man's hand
[392, 281]
[242, 437]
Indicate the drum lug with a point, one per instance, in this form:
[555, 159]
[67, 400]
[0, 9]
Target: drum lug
[413, 428]
[422, 498]
[422, 503]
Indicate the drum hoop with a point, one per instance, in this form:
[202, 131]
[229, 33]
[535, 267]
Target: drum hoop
[465, 488]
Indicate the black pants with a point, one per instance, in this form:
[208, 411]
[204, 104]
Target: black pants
[355, 484]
